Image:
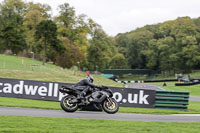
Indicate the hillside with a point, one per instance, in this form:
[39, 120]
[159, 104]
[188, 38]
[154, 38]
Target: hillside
[29, 69]
[169, 47]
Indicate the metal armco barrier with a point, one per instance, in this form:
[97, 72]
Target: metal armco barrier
[175, 100]
[187, 84]
[127, 71]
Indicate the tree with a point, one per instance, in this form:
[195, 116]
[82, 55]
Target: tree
[46, 35]
[152, 55]
[100, 51]
[71, 56]
[12, 32]
[72, 27]
[181, 28]
[118, 62]
[191, 52]
[136, 45]
[67, 15]
[166, 48]
[33, 15]
[184, 31]
[14, 39]
[157, 34]
[171, 46]
[121, 42]
[166, 28]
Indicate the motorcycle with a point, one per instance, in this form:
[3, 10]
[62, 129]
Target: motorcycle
[101, 97]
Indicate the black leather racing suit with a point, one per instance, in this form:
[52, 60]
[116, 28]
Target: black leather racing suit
[87, 86]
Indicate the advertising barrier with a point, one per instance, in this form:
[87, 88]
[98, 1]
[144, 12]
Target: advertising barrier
[49, 91]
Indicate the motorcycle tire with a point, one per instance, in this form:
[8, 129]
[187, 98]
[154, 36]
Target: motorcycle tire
[110, 106]
[66, 106]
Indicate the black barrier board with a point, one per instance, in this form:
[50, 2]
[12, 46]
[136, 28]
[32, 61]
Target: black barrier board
[42, 90]
[130, 97]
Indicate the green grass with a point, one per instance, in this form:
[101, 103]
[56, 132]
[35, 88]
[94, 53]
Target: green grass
[67, 125]
[15, 63]
[194, 107]
[65, 76]
[27, 103]
[12, 67]
[195, 74]
[194, 89]
[129, 77]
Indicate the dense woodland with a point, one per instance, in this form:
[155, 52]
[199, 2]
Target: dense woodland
[172, 46]
[68, 40]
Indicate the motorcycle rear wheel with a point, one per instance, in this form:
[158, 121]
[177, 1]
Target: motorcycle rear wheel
[110, 106]
[66, 106]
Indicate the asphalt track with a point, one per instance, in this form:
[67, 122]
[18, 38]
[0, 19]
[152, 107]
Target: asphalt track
[15, 111]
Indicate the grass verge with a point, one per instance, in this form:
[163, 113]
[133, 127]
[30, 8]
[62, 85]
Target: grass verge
[68, 125]
[29, 69]
[65, 76]
[194, 89]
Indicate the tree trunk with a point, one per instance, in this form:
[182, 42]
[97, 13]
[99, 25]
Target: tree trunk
[44, 56]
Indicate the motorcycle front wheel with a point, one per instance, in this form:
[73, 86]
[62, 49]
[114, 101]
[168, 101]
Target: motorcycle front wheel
[110, 106]
[66, 105]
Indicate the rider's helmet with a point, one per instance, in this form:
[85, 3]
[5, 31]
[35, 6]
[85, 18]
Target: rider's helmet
[90, 78]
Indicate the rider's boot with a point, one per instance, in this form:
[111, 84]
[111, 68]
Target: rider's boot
[82, 95]
[83, 98]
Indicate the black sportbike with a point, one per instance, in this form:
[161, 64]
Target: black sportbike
[99, 96]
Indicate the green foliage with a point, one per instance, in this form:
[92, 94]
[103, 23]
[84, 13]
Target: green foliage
[33, 15]
[118, 62]
[13, 39]
[121, 42]
[171, 47]
[72, 27]
[74, 30]
[71, 56]
[67, 15]
[28, 27]
[46, 34]
[137, 43]
[100, 51]
[11, 26]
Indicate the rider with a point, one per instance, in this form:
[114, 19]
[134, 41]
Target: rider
[88, 85]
